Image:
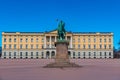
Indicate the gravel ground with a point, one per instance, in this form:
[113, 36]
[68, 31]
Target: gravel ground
[32, 69]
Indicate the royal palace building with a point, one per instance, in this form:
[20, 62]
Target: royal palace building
[41, 44]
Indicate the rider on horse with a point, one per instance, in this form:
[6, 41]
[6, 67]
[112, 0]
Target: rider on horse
[61, 31]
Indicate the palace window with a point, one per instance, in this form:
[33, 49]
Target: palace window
[42, 46]
[20, 53]
[10, 40]
[31, 39]
[31, 53]
[42, 54]
[9, 53]
[78, 53]
[14, 53]
[14, 39]
[83, 40]
[105, 53]
[4, 53]
[73, 53]
[37, 40]
[78, 39]
[37, 54]
[109, 40]
[26, 54]
[26, 39]
[88, 40]
[100, 46]
[83, 46]
[94, 54]
[79, 46]
[26, 46]
[105, 46]
[42, 39]
[37, 46]
[94, 40]
[89, 46]
[100, 40]
[14, 46]
[104, 40]
[10, 46]
[109, 53]
[4, 46]
[100, 53]
[94, 46]
[109, 46]
[21, 40]
[5, 40]
[83, 53]
[32, 46]
[21, 46]
[89, 54]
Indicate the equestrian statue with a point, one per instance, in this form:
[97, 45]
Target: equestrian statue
[61, 31]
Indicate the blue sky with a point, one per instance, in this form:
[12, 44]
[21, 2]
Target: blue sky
[79, 16]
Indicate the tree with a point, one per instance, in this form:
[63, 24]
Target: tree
[117, 51]
[114, 52]
[119, 46]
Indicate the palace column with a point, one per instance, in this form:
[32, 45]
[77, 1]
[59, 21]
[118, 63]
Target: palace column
[55, 38]
[45, 42]
[50, 46]
[71, 47]
[50, 42]
[71, 42]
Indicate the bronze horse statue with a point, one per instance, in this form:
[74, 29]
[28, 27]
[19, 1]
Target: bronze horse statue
[61, 31]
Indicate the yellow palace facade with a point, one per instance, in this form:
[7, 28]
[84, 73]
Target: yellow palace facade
[41, 44]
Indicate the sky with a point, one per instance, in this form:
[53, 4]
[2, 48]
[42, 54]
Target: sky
[78, 15]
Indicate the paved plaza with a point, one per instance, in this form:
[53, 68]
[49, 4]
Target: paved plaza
[32, 69]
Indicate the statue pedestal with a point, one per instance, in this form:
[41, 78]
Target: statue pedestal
[61, 52]
[62, 57]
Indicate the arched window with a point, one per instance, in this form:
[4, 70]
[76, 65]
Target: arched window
[53, 53]
[10, 40]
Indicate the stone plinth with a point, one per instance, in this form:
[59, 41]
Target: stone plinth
[61, 52]
[62, 57]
